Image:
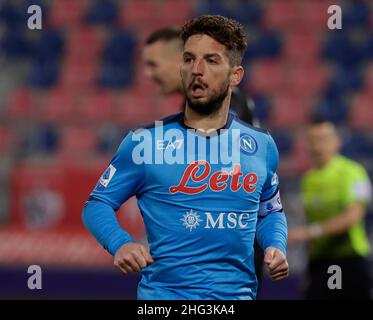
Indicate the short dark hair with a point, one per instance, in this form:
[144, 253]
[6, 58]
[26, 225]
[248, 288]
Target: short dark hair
[227, 31]
[318, 119]
[165, 34]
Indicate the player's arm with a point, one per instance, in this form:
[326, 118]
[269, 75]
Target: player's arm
[358, 192]
[121, 180]
[271, 230]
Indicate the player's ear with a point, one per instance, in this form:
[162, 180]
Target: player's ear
[237, 75]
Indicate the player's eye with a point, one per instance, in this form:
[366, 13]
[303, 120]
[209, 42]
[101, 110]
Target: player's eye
[211, 61]
[187, 59]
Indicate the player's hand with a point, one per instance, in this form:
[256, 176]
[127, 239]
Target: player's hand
[276, 263]
[132, 257]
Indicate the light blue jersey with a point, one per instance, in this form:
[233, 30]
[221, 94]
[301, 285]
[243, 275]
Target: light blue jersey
[203, 199]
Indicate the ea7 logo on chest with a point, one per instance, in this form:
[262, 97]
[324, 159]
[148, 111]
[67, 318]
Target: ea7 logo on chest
[169, 144]
[218, 181]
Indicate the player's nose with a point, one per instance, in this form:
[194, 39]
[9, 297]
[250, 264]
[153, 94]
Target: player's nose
[198, 67]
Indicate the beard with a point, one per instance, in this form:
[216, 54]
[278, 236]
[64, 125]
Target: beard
[212, 105]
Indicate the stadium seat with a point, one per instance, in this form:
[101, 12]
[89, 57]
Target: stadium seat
[361, 113]
[77, 142]
[6, 139]
[44, 73]
[280, 15]
[21, 105]
[117, 66]
[343, 49]
[266, 44]
[314, 14]
[344, 80]
[283, 141]
[84, 44]
[368, 78]
[134, 108]
[310, 77]
[173, 12]
[302, 46]
[76, 76]
[358, 143]
[249, 13]
[97, 107]
[49, 45]
[59, 105]
[356, 14]
[135, 13]
[265, 77]
[102, 11]
[213, 7]
[14, 43]
[262, 107]
[66, 13]
[332, 108]
[289, 111]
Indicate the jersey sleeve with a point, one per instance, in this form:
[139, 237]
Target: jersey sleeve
[270, 200]
[358, 187]
[272, 225]
[122, 179]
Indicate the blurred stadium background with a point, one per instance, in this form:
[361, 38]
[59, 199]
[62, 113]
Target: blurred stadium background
[69, 93]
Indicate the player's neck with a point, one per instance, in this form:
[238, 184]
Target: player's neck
[215, 121]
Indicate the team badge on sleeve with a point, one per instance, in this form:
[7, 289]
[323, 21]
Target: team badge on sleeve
[106, 177]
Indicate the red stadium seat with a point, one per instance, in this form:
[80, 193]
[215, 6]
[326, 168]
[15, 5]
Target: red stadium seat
[6, 140]
[310, 78]
[77, 142]
[173, 12]
[78, 75]
[97, 106]
[136, 13]
[265, 77]
[289, 111]
[66, 13]
[361, 112]
[315, 14]
[84, 44]
[135, 108]
[302, 46]
[59, 105]
[21, 105]
[280, 14]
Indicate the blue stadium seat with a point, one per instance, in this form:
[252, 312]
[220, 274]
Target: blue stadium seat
[344, 80]
[262, 107]
[213, 7]
[266, 45]
[248, 13]
[341, 49]
[283, 140]
[356, 14]
[358, 144]
[117, 66]
[15, 44]
[334, 109]
[48, 46]
[43, 73]
[102, 11]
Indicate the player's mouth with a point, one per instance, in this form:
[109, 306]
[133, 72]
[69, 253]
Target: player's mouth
[198, 90]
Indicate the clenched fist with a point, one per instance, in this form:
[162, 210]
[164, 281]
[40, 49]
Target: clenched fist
[277, 264]
[132, 257]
